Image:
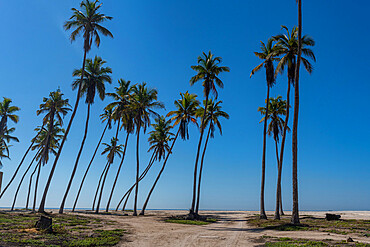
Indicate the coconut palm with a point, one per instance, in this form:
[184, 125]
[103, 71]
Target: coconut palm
[277, 108]
[122, 109]
[185, 114]
[4, 152]
[144, 101]
[55, 107]
[208, 70]
[106, 116]
[268, 55]
[214, 113]
[7, 111]
[94, 82]
[287, 47]
[88, 22]
[5, 139]
[111, 150]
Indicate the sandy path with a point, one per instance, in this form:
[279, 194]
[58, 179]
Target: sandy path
[231, 230]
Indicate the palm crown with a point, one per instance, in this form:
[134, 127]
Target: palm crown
[112, 149]
[185, 113]
[55, 105]
[7, 111]
[87, 21]
[160, 137]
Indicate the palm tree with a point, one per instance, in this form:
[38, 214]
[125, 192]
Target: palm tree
[185, 114]
[55, 107]
[214, 112]
[268, 55]
[207, 70]
[287, 46]
[122, 109]
[277, 108]
[111, 150]
[7, 111]
[295, 209]
[106, 116]
[86, 21]
[144, 100]
[94, 82]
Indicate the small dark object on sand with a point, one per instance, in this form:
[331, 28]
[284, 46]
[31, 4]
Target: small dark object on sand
[44, 223]
[332, 217]
[349, 240]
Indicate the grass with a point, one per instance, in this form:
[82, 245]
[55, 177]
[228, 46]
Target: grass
[181, 220]
[17, 229]
[289, 242]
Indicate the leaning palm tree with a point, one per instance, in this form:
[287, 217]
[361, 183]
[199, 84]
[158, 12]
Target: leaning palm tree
[185, 114]
[122, 109]
[277, 108]
[144, 101]
[53, 107]
[214, 112]
[111, 150]
[208, 70]
[287, 47]
[106, 116]
[7, 111]
[94, 82]
[88, 22]
[268, 55]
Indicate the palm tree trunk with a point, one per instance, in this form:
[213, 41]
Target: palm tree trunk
[295, 210]
[197, 157]
[36, 185]
[88, 168]
[278, 198]
[101, 189]
[97, 189]
[118, 172]
[262, 202]
[137, 170]
[151, 161]
[201, 170]
[159, 175]
[43, 200]
[20, 164]
[77, 160]
[20, 183]
[143, 174]
[30, 186]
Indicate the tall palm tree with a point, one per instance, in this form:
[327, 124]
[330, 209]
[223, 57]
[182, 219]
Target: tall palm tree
[111, 150]
[208, 70]
[295, 209]
[287, 47]
[144, 101]
[277, 108]
[55, 106]
[214, 112]
[268, 55]
[94, 82]
[106, 116]
[185, 114]
[88, 22]
[7, 111]
[5, 139]
[122, 109]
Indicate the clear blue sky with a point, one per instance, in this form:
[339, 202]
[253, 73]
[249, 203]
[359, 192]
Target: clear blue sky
[157, 42]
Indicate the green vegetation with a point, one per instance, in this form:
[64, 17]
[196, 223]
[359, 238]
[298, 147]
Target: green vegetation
[288, 242]
[191, 222]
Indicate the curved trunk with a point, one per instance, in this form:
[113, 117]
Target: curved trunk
[77, 160]
[43, 200]
[133, 186]
[197, 157]
[30, 186]
[101, 189]
[20, 183]
[88, 168]
[262, 202]
[159, 175]
[137, 170]
[118, 172]
[143, 174]
[20, 164]
[201, 170]
[36, 185]
[97, 189]
[278, 198]
[295, 210]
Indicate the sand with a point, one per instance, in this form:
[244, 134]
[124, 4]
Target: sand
[232, 229]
